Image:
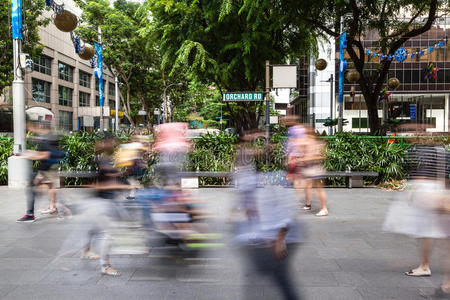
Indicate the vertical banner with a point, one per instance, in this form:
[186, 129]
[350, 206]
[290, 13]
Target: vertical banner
[412, 111]
[342, 65]
[99, 51]
[16, 19]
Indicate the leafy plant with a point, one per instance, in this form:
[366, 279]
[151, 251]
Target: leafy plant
[6, 149]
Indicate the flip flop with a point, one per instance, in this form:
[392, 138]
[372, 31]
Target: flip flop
[418, 273]
[110, 271]
[90, 255]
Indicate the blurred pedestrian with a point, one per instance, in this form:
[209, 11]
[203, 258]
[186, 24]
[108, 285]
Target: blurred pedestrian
[99, 210]
[271, 236]
[172, 147]
[47, 158]
[304, 159]
[417, 215]
[311, 171]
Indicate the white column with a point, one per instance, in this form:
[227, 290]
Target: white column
[446, 112]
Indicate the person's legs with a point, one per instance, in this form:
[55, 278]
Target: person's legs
[320, 192]
[282, 276]
[34, 182]
[426, 245]
[446, 259]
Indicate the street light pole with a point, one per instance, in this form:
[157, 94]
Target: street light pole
[18, 167]
[165, 100]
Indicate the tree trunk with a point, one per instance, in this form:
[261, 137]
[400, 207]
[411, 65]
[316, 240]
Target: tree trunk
[372, 113]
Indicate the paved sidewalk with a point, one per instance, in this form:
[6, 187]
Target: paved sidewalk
[346, 256]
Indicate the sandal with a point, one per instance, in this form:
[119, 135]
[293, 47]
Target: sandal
[418, 273]
[307, 207]
[90, 255]
[108, 270]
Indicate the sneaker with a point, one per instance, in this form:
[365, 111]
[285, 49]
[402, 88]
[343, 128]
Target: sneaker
[48, 210]
[27, 219]
[306, 207]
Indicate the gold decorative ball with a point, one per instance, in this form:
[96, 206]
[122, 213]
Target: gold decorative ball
[321, 64]
[393, 83]
[66, 21]
[88, 52]
[352, 76]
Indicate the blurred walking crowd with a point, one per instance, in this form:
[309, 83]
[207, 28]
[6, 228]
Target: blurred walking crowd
[266, 223]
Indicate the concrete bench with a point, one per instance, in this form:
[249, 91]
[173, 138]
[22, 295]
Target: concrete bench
[75, 174]
[352, 178]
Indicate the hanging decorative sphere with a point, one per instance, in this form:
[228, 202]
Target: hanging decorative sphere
[66, 21]
[88, 52]
[321, 64]
[352, 76]
[393, 83]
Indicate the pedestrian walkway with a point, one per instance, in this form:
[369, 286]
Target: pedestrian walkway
[346, 256]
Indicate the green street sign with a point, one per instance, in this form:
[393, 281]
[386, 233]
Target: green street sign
[321, 120]
[243, 96]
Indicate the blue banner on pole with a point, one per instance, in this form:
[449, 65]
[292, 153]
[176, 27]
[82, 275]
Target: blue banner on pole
[342, 65]
[412, 111]
[98, 49]
[16, 19]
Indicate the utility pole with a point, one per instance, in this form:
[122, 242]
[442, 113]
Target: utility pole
[331, 102]
[18, 167]
[267, 92]
[116, 93]
[342, 68]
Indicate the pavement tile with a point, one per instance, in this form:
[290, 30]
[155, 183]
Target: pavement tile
[335, 293]
[72, 277]
[376, 293]
[6, 288]
[352, 279]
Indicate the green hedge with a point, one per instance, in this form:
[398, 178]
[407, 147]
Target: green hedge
[6, 149]
[216, 153]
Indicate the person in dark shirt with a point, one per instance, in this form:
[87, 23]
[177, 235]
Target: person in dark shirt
[48, 157]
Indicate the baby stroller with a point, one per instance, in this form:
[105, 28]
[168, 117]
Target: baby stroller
[174, 220]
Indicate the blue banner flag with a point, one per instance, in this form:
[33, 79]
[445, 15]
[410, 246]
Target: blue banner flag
[16, 19]
[98, 49]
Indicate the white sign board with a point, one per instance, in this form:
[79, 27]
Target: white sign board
[273, 119]
[284, 76]
[88, 121]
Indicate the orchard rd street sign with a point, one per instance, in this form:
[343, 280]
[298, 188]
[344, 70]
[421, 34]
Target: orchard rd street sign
[243, 96]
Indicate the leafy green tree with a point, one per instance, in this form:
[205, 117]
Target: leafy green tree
[32, 20]
[225, 44]
[379, 17]
[124, 50]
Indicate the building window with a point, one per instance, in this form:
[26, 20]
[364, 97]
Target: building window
[355, 123]
[111, 89]
[41, 90]
[65, 72]
[65, 120]
[96, 85]
[43, 65]
[84, 99]
[97, 101]
[85, 79]
[65, 95]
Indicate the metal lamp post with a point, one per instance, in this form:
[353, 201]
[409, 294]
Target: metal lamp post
[165, 100]
[18, 167]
